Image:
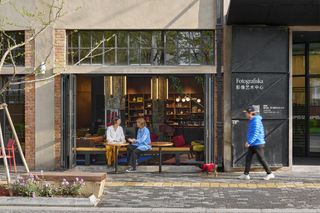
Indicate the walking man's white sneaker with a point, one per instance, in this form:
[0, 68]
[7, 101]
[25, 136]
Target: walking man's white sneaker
[244, 177]
[269, 176]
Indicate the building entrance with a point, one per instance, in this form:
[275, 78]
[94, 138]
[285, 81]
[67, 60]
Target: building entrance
[306, 94]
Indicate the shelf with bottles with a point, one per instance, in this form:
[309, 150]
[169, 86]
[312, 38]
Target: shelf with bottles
[138, 105]
[181, 109]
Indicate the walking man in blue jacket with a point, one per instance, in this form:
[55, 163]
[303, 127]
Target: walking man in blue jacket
[255, 144]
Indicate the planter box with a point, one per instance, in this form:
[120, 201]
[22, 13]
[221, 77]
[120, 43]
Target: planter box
[94, 181]
[49, 201]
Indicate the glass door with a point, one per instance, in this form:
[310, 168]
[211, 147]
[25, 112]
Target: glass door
[299, 100]
[314, 116]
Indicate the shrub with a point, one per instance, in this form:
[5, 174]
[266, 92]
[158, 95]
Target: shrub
[33, 186]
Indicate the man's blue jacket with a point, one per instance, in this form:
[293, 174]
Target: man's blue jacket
[255, 135]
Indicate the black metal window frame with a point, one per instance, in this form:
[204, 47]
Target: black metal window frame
[18, 53]
[14, 95]
[307, 77]
[188, 47]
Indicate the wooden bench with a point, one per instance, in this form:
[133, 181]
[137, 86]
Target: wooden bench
[87, 151]
[177, 151]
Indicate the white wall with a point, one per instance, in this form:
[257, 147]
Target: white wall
[138, 14]
[119, 14]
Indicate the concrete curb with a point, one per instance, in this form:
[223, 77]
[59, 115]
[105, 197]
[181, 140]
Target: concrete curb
[49, 201]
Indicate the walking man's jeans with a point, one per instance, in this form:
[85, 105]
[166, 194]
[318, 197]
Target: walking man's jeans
[259, 150]
[132, 154]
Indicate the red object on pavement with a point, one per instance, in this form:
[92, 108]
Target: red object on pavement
[208, 167]
[10, 154]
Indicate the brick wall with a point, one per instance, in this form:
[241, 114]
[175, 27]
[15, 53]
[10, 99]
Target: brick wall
[29, 50]
[60, 61]
[30, 122]
[30, 103]
[57, 121]
[60, 48]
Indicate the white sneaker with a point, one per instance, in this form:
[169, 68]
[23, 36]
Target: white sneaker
[244, 177]
[269, 176]
[130, 169]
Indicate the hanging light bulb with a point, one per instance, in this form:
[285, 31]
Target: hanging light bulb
[178, 99]
[187, 98]
[198, 100]
[183, 100]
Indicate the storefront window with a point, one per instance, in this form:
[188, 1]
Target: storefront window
[12, 37]
[174, 107]
[141, 47]
[14, 97]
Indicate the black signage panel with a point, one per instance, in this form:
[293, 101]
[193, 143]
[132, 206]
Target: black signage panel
[266, 92]
[260, 77]
[276, 148]
[260, 49]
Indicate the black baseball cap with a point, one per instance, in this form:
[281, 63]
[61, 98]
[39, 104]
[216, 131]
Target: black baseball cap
[249, 109]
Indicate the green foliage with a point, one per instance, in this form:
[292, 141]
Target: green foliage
[175, 84]
[33, 186]
[200, 80]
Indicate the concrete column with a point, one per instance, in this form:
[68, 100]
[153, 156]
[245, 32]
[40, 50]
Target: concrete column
[227, 137]
[44, 104]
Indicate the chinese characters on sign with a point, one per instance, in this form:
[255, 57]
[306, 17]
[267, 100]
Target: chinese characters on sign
[249, 84]
[267, 109]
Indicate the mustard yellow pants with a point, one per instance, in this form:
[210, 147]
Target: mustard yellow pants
[110, 155]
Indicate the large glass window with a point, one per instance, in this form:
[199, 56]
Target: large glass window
[314, 56]
[140, 47]
[14, 97]
[8, 39]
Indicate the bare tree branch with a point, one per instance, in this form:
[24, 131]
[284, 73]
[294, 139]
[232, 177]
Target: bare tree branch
[93, 49]
[49, 22]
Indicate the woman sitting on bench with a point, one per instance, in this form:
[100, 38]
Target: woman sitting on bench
[114, 135]
[139, 145]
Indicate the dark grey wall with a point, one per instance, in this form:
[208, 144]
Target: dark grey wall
[260, 77]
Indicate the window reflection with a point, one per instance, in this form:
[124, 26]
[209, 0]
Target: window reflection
[141, 47]
[18, 53]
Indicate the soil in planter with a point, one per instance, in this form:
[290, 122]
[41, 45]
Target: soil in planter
[4, 191]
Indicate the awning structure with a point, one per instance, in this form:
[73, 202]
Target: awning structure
[274, 12]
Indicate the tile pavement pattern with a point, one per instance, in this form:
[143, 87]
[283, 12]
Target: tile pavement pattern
[172, 190]
[191, 192]
[193, 197]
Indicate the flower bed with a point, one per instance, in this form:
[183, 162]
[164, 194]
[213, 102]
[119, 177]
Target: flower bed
[34, 186]
[53, 189]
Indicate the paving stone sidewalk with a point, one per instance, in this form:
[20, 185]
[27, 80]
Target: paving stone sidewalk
[189, 191]
[193, 190]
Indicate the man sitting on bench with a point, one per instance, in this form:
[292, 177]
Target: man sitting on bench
[139, 145]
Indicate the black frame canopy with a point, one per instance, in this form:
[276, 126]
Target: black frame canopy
[274, 12]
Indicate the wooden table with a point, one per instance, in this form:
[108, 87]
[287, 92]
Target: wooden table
[116, 146]
[161, 144]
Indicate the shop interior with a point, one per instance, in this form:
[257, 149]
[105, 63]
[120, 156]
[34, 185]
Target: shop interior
[172, 105]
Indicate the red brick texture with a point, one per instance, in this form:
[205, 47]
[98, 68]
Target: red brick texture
[57, 121]
[60, 62]
[29, 59]
[60, 48]
[30, 122]
[30, 103]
